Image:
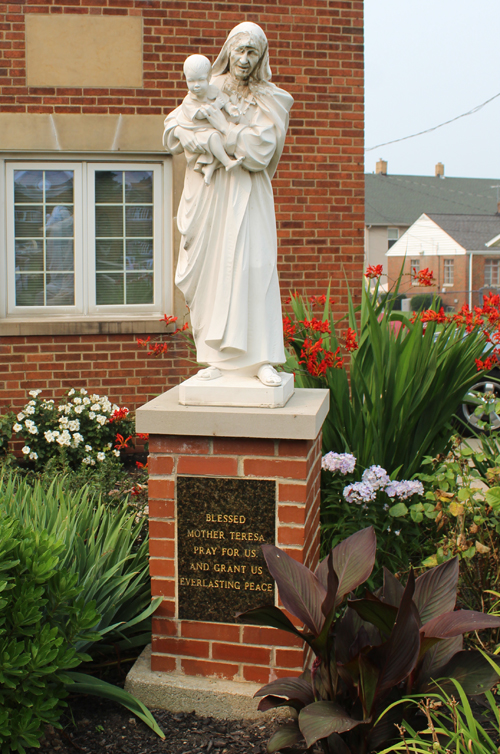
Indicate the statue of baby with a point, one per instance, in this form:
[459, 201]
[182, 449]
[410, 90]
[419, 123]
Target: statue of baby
[194, 131]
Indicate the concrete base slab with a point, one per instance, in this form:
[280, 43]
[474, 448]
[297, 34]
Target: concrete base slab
[209, 697]
[232, 389]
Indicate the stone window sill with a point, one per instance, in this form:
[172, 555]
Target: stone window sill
[81, 326]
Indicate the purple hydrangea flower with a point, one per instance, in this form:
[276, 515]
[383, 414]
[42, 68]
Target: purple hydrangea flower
[343, 462]
[376, 476]
[404, 489]
[359, 492]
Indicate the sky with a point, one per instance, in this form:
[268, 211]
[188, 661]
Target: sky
[428, 61]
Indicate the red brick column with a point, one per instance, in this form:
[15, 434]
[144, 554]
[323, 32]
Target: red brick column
[228, 650]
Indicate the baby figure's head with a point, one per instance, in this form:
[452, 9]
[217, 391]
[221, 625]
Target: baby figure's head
[197, 70]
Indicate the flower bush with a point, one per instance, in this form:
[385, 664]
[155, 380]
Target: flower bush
[83, 427]
[396, 510]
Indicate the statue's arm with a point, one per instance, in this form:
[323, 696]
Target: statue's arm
[170, 141]
[256, 143]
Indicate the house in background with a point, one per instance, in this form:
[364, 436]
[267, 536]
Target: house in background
[394, 202]
[463, 251]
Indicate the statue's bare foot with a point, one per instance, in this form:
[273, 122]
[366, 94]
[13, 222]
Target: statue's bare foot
[208, 173]
[234, 163]
[210, 373]
[269, 376]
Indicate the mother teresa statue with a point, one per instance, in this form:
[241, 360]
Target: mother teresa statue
[227, 266]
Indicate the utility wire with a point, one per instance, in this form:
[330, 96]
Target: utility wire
[434, 128]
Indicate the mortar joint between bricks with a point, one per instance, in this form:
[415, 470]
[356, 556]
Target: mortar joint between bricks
[241, 462]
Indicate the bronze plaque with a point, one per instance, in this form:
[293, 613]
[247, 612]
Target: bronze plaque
[221, 525]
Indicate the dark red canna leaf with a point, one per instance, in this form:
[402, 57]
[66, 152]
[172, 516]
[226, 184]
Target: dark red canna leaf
[353, 561]
[458, 622]
[436, 590]
[374, 611]
[469, 668]
[321, 719]
[288, 735]
[290, 688]
[392, 591]
[269, 615]
[300, 590]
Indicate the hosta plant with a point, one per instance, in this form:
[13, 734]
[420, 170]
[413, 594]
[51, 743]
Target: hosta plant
[369, 653]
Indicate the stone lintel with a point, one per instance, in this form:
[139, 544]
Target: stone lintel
[301, 418]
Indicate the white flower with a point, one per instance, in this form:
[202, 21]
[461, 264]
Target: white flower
[92, 462]
[17, 427]
[91, 415]
[34, 393]
[359, 492]
[49, 436]
[77, 439]
[74, 425]
[77, 401]
[72, 391]
[109, 445]
[33, 456]
[404, 489]
[63, 421]
[114, 407]
[101, 419]
[79, 409]
[116, 453]
[60, 408]
[101, 456]
[343, 462]
[95, 407]
[26, 450]
[29, 423]
[33, 430]
[86, 460]
[86, 401]
[29, 410]
[83, 391]
[94, 398]
[32, 403]
[68, 408]
[376, 476]
[20, 416]
[88, 448]
[64, 438]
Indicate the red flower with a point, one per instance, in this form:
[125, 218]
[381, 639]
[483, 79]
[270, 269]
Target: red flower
[168, 319]
[431, 316]
[350, 340]
[121, 442]
[424, 277]
[316, 324]
[373, 271]
[118, 414]
[141, 465]
[142, 435]
[141, 342]
[288, 330]
[487, 364]
[157, 349]
[317, 359]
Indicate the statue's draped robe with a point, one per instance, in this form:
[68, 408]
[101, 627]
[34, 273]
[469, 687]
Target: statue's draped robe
[227, 266]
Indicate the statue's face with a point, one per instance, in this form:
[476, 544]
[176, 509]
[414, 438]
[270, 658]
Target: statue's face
[243, 59]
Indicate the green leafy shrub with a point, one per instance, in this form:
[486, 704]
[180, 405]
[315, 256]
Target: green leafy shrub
[6, 422]
[83, 428]
[425, 301]
[406, 378]
[43, 618]
[382, 647]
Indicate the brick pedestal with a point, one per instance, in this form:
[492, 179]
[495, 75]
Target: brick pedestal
[280, 445]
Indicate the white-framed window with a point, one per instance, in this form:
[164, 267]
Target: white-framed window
[449, 271]
[414, 270]
[491, 272]
[392, 236]
[86, 238]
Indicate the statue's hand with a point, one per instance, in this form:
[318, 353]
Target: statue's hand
[216, 118]
[192, 145]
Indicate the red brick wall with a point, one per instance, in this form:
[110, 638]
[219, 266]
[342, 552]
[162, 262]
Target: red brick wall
[316, 54]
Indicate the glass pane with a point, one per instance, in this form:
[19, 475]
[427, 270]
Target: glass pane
[60, 289]
[59, 186]
[59, 221]
[109, 254]
[108, 187]
[29, 221]
[29, 290]
[140, 254]
[109, 288]
[139, 187]
[139, 221]
[28, 186]
[108, 221]
[59, 254]
[29, 255]
[140, 288]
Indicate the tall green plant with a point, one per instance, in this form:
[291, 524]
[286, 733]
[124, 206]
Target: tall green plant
[405, 379]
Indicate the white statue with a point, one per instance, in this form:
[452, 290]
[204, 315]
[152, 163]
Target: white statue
[227, 265]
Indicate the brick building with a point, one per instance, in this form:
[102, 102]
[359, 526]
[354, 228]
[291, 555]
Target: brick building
[84, 88]
[461, 250]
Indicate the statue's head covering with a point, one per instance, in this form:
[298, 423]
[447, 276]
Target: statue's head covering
[256, 36]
